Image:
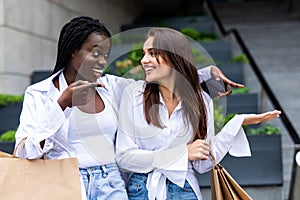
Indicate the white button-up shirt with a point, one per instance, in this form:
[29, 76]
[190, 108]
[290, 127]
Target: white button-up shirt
[43, 119]
[162, 152]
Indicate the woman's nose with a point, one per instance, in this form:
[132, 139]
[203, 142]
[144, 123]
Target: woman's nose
[102, 60]
[144, 60]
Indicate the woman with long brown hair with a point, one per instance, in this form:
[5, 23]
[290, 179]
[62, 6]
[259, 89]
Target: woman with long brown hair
[166, 124]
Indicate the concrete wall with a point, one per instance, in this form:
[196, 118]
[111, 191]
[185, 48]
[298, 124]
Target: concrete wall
[29, 32]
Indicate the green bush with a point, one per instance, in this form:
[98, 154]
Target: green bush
[130, 66]
[242, 58]
[200, 58]
[192, 33]
[136, 54]
[8, 136]
[266, 129]
[199, 36]
[218, 117]
[244, 90]
[8, 98]
[207, 37]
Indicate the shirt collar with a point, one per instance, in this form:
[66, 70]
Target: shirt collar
[53, 92]
[140, 90]
[178, 107]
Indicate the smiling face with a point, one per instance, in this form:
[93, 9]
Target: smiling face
[89, 61]
[156, 68]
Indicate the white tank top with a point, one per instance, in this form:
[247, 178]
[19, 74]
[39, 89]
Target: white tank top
[94, 138]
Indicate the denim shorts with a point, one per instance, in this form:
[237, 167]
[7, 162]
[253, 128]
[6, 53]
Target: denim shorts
[136, 189]
[103, 182]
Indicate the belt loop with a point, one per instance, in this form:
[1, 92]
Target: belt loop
[104, 171]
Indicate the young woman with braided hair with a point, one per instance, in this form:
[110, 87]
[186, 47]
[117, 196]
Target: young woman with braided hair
[70, 114]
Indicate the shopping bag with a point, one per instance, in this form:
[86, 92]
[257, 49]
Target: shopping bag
[224, 187]
[38, 179]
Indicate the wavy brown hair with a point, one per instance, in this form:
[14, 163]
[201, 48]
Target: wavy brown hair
[174, 48]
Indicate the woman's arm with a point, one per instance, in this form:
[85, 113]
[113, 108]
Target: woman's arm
[40, 119]
[259, 118]
[231, 138]
[214, 74]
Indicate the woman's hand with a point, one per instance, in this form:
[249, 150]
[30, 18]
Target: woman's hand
[258, 118]
[198, 150]
[76, 94]
[217, 74]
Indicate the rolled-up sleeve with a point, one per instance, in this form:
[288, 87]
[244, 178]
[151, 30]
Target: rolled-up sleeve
[230, 139]
[40, 119]
[204, 73]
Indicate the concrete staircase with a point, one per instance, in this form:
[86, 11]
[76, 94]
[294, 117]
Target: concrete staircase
[273, 39]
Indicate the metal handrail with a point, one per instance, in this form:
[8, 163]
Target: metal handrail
[288, 125]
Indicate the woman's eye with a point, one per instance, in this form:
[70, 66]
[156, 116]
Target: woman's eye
[152, 53]
[95, 54]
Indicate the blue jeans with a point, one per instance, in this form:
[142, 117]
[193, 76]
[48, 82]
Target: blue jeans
[137, 190]
[103, 182]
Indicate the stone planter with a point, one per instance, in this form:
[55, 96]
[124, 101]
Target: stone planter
[242, 103]
[263, 168]
[9, 116]
[37, 76]
[218, 51]
[234, 71]
[7, 147]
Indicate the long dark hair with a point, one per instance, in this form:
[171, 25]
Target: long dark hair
[72, 36]
[174, 48]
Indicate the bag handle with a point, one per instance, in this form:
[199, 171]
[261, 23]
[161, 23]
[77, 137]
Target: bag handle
[216, 165]
[22, 144]
[212, 158]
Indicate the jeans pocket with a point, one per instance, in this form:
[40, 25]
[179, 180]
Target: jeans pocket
[187, 187]
[115, 180]
[136, 187]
